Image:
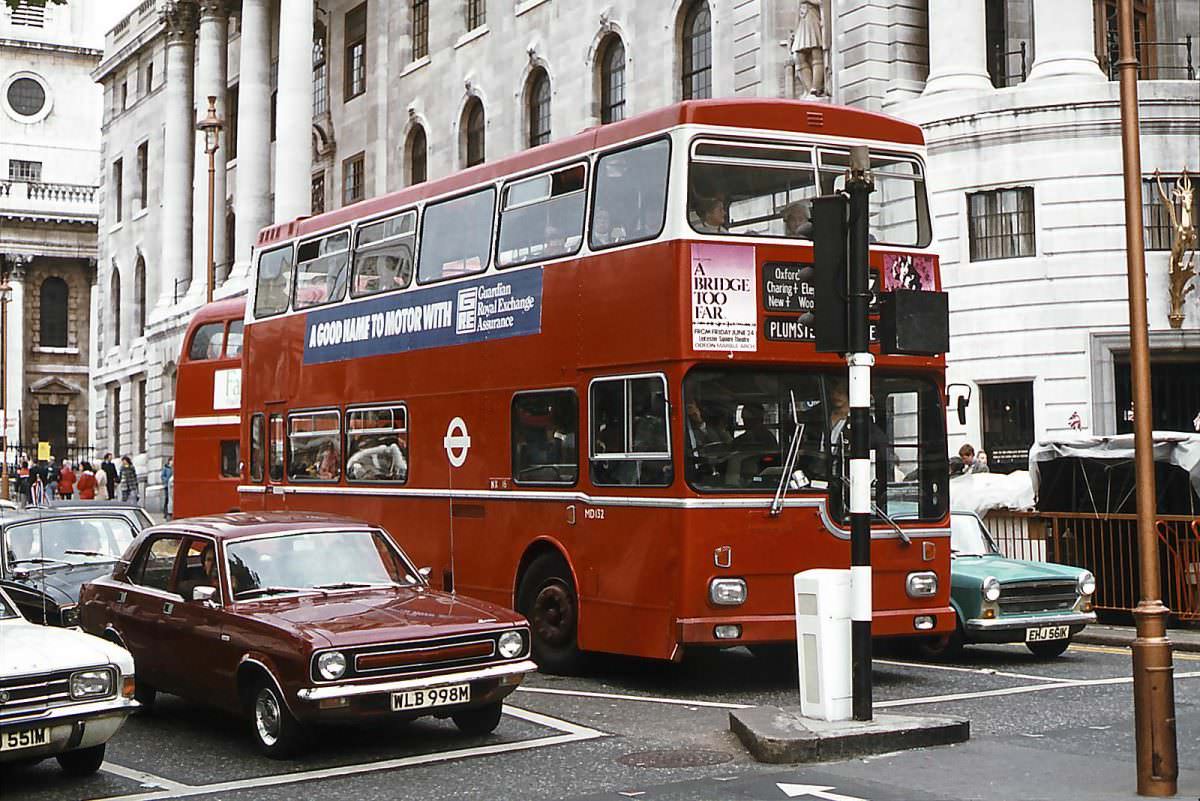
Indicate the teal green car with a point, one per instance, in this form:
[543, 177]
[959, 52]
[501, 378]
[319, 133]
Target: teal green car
[998, 599]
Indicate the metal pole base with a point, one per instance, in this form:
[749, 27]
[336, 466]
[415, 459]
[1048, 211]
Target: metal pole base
[1154, 702]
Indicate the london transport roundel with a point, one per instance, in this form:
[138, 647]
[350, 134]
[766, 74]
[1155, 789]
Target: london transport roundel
[457, 442]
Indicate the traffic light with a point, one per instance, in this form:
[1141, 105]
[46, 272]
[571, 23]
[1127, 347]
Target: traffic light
[830, 218]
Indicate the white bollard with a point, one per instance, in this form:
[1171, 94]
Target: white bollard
[823, 643]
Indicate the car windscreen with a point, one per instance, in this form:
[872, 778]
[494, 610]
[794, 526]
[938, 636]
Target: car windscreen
[70, 540]
[968, 537]
[7, 610]
[315, 560]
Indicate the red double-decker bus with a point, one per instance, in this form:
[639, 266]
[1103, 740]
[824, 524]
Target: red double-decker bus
[208, 409]
[570, 380]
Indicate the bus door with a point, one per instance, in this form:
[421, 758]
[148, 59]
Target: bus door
[276, 445]
[463, 428]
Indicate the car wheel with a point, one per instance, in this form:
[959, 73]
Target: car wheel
[548, 599]
[943, 646]
[276, 733]
[82, 762]
[481, 720]
[1048, 650]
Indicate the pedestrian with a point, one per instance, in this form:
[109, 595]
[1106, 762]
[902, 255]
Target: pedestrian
[110, 475]
[966, 462]
[129, 481]
[23, 483]
[53, 473]
[87, 483]
[66, 481]
[168, 473]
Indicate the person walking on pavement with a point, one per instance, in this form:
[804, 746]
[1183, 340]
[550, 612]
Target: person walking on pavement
[87, 483]
[129, 481]
[110, 475]
[23, 483]
[167, 473]
[66, 481]
[53, 473]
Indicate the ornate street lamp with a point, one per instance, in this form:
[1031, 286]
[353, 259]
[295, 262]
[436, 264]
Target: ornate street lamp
[5, 289]
[211, 127]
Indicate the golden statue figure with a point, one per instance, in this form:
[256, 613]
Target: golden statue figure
[1181, 269]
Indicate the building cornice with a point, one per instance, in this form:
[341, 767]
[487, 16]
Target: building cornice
[75, 50]
[144, 37]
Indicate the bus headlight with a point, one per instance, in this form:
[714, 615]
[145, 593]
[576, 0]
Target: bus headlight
[991, 589]
[727, 591]
[1087, 583]
[331, 665]
[921, 585]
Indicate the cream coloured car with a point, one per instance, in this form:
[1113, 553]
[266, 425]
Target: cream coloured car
[63, 693]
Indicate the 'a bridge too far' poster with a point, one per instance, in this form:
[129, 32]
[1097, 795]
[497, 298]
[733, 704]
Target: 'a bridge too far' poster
[724, 306]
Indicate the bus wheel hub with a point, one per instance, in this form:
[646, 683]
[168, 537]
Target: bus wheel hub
[554, 614]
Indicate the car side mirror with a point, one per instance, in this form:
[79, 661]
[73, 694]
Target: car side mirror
[205, 595]
[964, 400]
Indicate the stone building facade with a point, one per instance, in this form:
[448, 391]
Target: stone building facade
[49, 155]
[330, 102]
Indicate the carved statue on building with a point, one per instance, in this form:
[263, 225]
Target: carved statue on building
[808, 50]
[1181, 269]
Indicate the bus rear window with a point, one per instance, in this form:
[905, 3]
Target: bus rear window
[322, 270]
[207, 342]
[233, 341]
[274, 287]
[314, 446]
[377, 444]
[631, 195]
[383, 255]
[456, 236]
[542, 217]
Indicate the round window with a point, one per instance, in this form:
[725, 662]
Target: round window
[26, 97]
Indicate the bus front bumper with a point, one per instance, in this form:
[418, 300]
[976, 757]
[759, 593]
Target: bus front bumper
[757, 629]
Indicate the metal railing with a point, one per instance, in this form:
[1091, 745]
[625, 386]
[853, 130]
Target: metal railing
[15, 454]
[1148, 72]
[1107, 546]
[1002, 60]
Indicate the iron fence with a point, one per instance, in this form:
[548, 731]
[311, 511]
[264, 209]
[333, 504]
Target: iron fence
[14, 454]
[1107, 546]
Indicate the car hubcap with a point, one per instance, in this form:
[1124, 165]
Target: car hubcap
[554, 614]
[266, 718]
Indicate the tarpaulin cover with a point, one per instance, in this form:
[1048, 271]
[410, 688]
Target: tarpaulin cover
[982, 492]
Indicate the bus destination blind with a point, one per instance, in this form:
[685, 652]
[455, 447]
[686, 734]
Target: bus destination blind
[493, 307]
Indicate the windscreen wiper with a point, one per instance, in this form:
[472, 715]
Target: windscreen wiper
[74, 552]
[346, 585]
[270, 591]
[790, 462]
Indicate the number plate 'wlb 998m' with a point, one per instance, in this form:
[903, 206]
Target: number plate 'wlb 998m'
[436, 696]
[12, 740]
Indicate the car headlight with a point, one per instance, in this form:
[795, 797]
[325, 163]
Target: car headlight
[727, 591]
[331, 665]
[1087, 583]
[921, 585]
[991, 589]
[91, 683]
[69, 614]
[510, 644]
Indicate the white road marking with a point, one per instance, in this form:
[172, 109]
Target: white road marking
[572, 733]
[143, 778]
[1034, 688]
[814, 790]
[983, 671]
[649, 699]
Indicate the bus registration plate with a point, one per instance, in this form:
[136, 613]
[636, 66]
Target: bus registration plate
[435, 696]
[1044, 633]
[13, 740]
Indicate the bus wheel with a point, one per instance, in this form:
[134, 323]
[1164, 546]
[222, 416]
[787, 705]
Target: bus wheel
[547, 597]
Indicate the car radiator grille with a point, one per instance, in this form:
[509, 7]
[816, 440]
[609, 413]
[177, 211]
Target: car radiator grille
[424, 656]
[28, 696]
[1026, 597]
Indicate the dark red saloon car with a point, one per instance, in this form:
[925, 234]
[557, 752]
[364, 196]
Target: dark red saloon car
[298, 619]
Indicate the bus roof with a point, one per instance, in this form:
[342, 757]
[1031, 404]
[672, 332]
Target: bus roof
[228, 309]
[236, 525]
[792, 116]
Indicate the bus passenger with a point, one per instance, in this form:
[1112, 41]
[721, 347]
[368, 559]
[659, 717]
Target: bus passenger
[713, 217]
[327, 465]
[797, 220]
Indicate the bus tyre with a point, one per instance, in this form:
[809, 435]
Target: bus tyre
[547, 597]
[1048, 650]
[481, 720]
[82, 761]
[276, 733]
[942, 646]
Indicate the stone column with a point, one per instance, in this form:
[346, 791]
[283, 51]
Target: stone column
[1064, 43]
[293, 111]
[178, 150]
[212, 72]
[252, 207]
[17, 335]
[957, 47]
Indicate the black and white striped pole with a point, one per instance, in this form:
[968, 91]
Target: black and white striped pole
[859, 185]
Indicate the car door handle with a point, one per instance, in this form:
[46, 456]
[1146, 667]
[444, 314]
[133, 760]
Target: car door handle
[121, 596]
[168, 608]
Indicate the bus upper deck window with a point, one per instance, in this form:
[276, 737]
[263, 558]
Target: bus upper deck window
[899, 208]
[630, 195]
[322, 270]
[542, 217]
[383, 255]
[751, 189]
[274, 283]
[456, 236]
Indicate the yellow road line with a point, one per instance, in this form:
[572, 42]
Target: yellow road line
[1124, 650]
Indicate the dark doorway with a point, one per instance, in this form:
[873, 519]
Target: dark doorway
[1007, 425]
[52, 427]
[1174, 393]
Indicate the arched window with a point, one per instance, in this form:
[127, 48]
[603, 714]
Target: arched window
[54, 313]
[139, 296]
[612, 80]
[539, 108]
[697, 52]
[114, 301]
[474, 124]
[418, 149]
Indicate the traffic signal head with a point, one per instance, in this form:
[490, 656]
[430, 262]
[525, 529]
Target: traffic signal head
[830, 218]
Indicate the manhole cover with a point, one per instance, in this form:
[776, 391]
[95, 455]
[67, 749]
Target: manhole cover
[690, 758]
